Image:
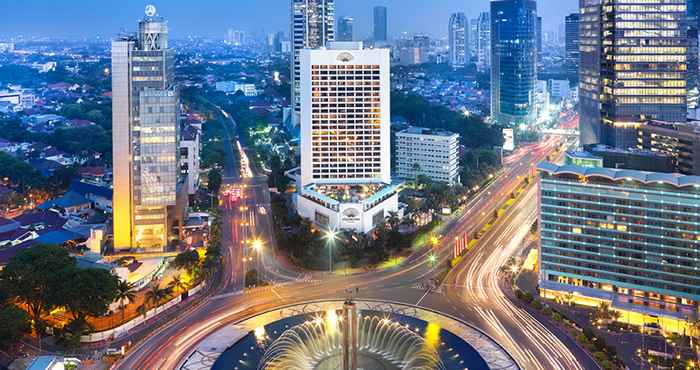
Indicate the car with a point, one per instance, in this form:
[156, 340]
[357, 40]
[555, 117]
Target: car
[31, 235]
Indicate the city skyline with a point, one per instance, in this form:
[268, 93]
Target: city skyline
[211, 18]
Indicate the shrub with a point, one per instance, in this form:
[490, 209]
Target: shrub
[607, 365]
[600, 356]
[536, 304]
[547, 311]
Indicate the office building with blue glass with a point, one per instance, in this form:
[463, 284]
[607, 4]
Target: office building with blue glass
[513, 61]
[626, 237]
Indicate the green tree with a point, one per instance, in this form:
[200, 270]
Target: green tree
[251, 278]
[126, 293]
[14, 323]
[187, 260]
[214, 181]
[89, 292]
[35, 277]
[177, 285]
[156, 295]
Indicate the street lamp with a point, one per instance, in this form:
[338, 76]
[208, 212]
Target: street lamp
[330, 236]
[432, 258]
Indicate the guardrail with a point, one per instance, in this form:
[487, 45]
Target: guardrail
[119, 331]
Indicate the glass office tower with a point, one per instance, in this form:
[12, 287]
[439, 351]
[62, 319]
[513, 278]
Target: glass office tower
[380, 29]
[572, 45]
[458, 40]
[513, 61]
[313, 23]
[145, 105]
[633, 67]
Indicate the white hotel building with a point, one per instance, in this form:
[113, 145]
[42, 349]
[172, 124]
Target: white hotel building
[345, 179]
[430, 153]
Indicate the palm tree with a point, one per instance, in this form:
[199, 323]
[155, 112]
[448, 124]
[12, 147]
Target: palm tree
[177, 284]
[126, 293]
[156, 295]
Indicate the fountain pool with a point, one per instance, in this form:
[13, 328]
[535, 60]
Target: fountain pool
[386, 341]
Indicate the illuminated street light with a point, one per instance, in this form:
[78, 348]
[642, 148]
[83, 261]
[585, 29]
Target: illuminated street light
[432, 259]
[330, 236]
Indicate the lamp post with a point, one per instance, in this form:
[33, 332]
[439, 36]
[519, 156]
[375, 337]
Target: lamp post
[330, 239]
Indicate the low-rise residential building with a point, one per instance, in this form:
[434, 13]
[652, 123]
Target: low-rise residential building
[190, 148]
[430, 153]
[680, 140]
[232, 87]
[629, 238]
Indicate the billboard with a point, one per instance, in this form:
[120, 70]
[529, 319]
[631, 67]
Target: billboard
[508, 139]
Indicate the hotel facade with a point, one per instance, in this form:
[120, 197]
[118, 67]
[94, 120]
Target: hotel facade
[629, 238]
[345, 176]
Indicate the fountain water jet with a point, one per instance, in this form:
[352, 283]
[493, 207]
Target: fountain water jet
[349, 342]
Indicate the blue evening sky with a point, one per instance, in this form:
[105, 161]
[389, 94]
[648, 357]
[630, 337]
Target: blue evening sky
[84, 18]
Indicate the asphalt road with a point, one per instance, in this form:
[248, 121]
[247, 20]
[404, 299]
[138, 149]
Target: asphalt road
[471, 291]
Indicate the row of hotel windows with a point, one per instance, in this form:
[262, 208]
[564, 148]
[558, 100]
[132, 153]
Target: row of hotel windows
[351, 99]
[350, 66]
[342, 107]
[611, 203]
[618, 248]
[628, 240]
[366, 116]
[665, 240]
[617, 222]
[622, 275]
[660, 265]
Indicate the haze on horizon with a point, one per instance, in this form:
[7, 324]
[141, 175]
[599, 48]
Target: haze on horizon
[84, 18]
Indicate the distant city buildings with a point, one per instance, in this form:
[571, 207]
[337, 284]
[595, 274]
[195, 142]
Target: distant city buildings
[680, 140]
[628, 238]
[513, 61]
[458, 36]
[312, 24]
[145, 106]
[345, 176]
[483, 42]
[430, 153]
[380, 29]
[572, 45]
[346, 29]
[232, 87]
[7, 47]
[644, 77]
[236, 37]
[473, 37]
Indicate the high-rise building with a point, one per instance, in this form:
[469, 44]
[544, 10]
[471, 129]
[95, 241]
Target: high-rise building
[633, 67]
[572, 45]
[345, 179]
[483, 42]
[313, 23]
[473, 37]
[680, 140]
[628, 238]
[538, 38]
[513, 61]
[458, 34]
[236, 37]
[693, 21]
[145, 111]
[345, 29]
[380, 30]
[431, 153]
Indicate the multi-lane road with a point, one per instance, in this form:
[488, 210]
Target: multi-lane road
[471, 291]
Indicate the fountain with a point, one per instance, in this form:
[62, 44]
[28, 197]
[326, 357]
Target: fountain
[350, 342]
[348, 335]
